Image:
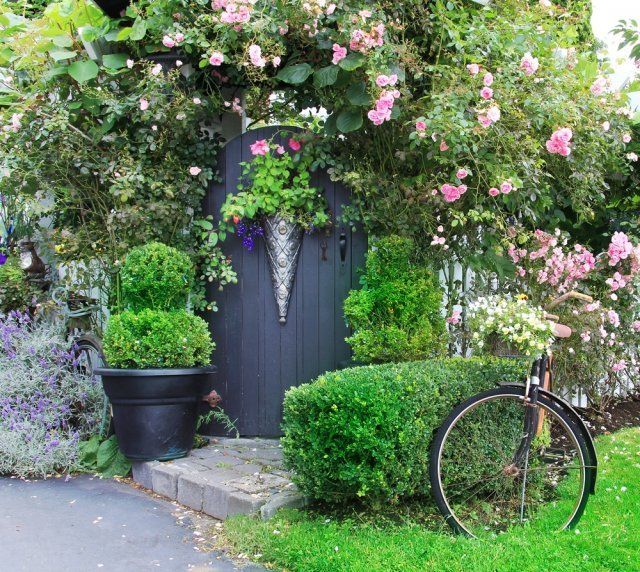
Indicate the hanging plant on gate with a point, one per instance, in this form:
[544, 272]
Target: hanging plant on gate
[276, 199]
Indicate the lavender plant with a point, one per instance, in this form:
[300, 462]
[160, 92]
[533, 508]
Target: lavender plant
[47, 405]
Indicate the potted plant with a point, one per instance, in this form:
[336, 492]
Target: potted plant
[277, 200]
[158, 355]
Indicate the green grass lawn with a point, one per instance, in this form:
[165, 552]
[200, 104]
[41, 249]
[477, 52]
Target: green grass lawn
[607, 537]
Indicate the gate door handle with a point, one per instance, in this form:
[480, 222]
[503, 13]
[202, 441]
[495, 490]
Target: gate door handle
[343, 247]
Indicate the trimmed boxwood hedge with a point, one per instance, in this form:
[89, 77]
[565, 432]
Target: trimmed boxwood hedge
[365, 432]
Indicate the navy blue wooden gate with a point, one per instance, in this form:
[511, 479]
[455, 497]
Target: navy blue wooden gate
[258, 358]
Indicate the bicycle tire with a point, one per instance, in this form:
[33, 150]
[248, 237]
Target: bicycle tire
[514, 394]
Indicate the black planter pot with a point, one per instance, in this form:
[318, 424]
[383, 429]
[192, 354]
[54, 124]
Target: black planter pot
[112, 8]
[155, 410]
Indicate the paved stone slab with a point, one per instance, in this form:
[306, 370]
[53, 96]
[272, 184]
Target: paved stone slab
[229, 476]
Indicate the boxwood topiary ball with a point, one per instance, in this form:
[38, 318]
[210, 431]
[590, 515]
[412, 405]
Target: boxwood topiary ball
[156, 276]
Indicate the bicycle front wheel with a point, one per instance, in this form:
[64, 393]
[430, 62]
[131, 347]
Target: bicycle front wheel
[483, 484]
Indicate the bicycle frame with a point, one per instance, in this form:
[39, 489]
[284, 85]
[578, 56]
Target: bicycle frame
[532, 388]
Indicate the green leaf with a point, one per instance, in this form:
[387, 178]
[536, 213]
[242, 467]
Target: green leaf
[295, 74]
[349, 120]
[124, 34]
[110, 461]
[325, 76]
[353, 61]
[357, 94]
[59, 55]
[62, 41]
[138, 30]
[115, 61]
[83, 71]
[88, 452]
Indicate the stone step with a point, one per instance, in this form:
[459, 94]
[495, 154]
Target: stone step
[227, 477]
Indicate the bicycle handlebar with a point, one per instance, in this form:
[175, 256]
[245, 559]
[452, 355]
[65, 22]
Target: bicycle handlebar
[572, 294]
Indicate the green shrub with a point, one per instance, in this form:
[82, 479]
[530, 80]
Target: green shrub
[152, 338]
[156, 276]
[396, 315]
[15, 291]
[365, 432]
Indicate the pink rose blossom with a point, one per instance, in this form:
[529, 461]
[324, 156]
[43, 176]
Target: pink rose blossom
[339, 53]
[487, 79]
[331, 8]
[455, 317]
[461, 174]
[197, 101]
[619, 249]
[144, 104]
[260, 147]
[626, 138]
[216, 58]
[494, 192]
[255, 55]
[438, 240]
[155, 70]
[451, 192]
[484, 120]
[560, 142]
[294, 144]
[528, 64]
[506, 187]
[280, 150]
[421, 126]
[632, 157]
[168, 41]
[277, 60]
[384, 80]
[195, 171]
[636, 326]
[474, 69]
[606, 126]
[619, 366]
[443, 146]
[598, 86]
[486, 93]
[179, 37]
[493, 113]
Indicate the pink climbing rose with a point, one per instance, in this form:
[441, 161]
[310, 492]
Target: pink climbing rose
[443, 146]
[506, 187]
[260, 147]
[255, 55]
[455, 317]
[194, 171]
[494, 192]
[598, 86]
[295, 144]
[486, 93]
[144, 104]
[560, 141]
[461, 174]
[528, 64]
[168, 42]
[339, 53]
[474, 69]
[216, 58]
[487, 79]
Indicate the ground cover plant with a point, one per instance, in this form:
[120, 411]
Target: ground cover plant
[47, 406]
[414, 538]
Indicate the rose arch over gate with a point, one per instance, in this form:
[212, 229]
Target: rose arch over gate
[259, 354]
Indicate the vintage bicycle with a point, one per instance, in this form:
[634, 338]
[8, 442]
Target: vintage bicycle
[516, 454]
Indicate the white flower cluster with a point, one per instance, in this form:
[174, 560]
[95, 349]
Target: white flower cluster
[514, 321]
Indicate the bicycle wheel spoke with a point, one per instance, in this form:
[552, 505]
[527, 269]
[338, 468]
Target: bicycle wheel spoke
[487, 487]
